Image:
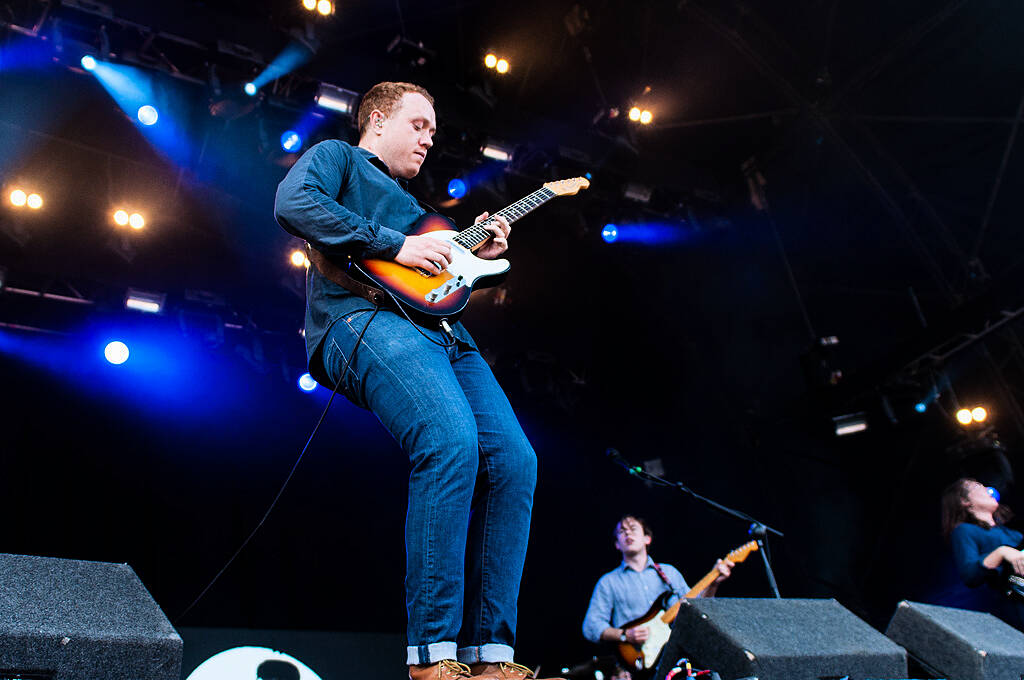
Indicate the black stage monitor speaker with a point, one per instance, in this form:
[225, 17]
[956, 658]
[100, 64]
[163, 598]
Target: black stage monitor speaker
[772, 639]
[75, 620]
[957, 643]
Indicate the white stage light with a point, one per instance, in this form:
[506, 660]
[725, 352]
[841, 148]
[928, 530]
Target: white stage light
[496, 152]
[142, 301]
[116, 352]
[336, 98]
[148, 115]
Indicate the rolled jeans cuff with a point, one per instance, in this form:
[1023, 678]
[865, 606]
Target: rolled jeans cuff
[432, 653]
[489, 653]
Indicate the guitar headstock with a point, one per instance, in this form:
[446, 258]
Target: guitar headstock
[567, 187]
[740, 553]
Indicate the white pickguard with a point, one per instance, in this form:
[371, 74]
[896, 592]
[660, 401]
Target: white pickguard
[465, 268]
[658, 634]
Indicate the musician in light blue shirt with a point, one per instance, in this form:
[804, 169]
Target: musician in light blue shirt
[627, 592]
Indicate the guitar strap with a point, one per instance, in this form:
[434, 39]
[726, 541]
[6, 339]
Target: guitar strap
[332, 272]
[661, 573]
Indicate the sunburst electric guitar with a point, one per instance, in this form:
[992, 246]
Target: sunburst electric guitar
[432, 297]
[658, 619]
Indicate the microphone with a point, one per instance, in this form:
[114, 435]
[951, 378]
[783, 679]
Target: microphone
[617, 458]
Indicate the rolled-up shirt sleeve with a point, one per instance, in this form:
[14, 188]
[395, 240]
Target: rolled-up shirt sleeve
[306, 206]
[968, 556]
[599, 613]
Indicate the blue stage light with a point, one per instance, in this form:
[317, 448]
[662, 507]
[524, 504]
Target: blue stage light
[306, 383]
[291, 141]
[148, 115]
[457, 188]
[657, 234]
[992, 491]
[116, 352]
[88, 62]
[250, 89]
[920, 407]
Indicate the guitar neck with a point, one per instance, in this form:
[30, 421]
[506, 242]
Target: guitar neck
[703, 584]
[473, 237]
[671, 612]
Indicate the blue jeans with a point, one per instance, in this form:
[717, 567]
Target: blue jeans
[471, 483]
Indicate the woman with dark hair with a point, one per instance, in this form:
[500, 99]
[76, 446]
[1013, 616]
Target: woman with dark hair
[983, 548]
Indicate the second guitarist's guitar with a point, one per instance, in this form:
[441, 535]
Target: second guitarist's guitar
[431, 297]
[658, 619]
[1009, 583]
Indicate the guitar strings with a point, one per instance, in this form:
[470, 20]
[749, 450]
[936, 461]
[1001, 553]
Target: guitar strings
[477, 233]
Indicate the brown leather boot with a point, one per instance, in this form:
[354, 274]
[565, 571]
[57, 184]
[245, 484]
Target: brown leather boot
[446, 669]
[504, 670]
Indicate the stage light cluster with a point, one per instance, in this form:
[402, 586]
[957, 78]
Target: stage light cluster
[25, 199]
[134, 220]
[971, 416]
[299, 259]
[499, 64]
[642, 116]
[323, 7]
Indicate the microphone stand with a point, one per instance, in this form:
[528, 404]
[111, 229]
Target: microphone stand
[757, 529]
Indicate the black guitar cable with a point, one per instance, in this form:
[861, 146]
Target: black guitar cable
[295, 466]
[444, 324]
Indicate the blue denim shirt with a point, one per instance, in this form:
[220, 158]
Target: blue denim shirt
[624, 594]
[341, 199]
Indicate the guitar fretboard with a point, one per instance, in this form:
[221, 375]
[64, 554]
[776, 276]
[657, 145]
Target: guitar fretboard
[477, 234]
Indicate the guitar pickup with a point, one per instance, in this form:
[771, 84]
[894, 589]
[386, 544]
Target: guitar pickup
[443, 291]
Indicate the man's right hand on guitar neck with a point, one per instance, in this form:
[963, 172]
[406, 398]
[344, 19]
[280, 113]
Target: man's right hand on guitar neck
[427, 252]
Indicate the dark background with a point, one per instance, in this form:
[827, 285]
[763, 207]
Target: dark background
[885, 134]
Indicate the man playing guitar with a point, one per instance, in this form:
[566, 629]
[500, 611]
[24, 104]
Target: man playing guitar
[472, 470]
[627, 592]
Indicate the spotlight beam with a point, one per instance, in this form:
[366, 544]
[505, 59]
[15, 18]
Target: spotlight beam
[293, 57]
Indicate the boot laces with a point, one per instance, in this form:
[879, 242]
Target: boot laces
[452, 669]
[519, 668]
